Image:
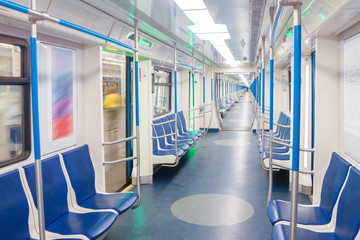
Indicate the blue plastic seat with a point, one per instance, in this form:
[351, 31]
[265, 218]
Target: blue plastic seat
[183, 124]
[14, 207]
[182, 135]
[159, 130]
[183, 144]
[315, 215]
[347, 218]
[58, 218]
[164, 152]
[82, 177]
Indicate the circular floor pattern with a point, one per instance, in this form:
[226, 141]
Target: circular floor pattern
[231, 142]
[212, 209]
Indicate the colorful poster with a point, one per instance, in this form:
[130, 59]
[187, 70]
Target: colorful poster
[62, 93]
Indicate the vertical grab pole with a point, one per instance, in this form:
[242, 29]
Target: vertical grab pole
[204, 99]
[136, 50]
[258, 102]
[175, 102]
[271, 116]
[263, 97]
[193, 94]
[296, 119]
[175, 78]
[36, 124]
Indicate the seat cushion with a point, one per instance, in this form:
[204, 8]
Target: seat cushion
[92, 225]
[282, 232]
[307, 214]
[168, 152]
[120, 202]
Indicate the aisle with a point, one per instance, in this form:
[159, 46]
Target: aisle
[240, 117]
[218, 191]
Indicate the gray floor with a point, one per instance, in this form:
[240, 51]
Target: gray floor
[240, 116]
[218, 191]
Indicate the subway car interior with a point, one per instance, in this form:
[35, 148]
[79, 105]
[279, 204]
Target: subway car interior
[180, 119]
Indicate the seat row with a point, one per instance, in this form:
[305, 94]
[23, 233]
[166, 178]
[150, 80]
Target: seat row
[73, 207]
[336, 217]
[225, 104]
[280, 153]
[164, 140]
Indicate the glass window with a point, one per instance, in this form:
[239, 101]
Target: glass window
[14, 102]
[162, 92]
[10, 60]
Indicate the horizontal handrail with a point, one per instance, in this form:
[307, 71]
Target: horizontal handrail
[282, 143]
[199, 116]
[280, 139]
[119, 141]
[290, 146]
[194, 109]
[162, 123]
[307, 149]
[280, 125]
[120, 161]
[287, 168]
[163, 136]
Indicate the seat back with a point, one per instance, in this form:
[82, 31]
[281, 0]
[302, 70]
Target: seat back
[348, 214]
[54, 188]
[182, 120]
[172, 124]
[159, 132]
[333, 181]
[14, 207]
[284, 133]
[280, 119]
[81, 172]
[167, 128]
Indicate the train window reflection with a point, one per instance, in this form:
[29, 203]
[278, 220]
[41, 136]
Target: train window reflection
[10, 60]
[162, 92]
[11, 118]
[15, 137]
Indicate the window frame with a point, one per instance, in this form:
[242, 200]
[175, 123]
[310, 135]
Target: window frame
[169, 84]
[23, 81]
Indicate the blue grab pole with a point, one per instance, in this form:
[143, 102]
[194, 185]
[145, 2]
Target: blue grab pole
[271, 94]
[175, 89]
[263, 90]
[297, 97]
[14, 6]
[137, 92]
[35, 98]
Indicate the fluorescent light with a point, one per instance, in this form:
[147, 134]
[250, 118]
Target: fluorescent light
[223, 49]
[216, 28]
[211, 36]
[200, 17]
[190, 4]
[217, 42]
